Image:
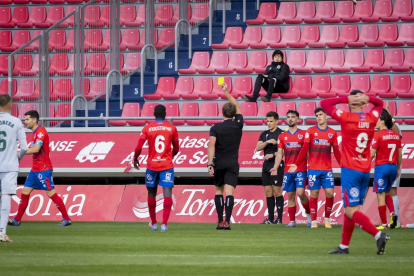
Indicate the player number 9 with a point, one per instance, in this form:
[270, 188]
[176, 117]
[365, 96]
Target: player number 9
[362, 141]
[159, 144]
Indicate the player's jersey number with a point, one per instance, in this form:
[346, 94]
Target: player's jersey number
[312, 177]
[3, 143]
[392, 147]
[159, 144]
[362, 142]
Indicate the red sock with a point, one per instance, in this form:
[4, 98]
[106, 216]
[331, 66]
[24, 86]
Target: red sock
[347, 230]
[24, 201]
[60, 205]
[364, 223]
[390, 203]
[168, 203]
[151, 209]
[292, 213]
[306, 206]
[328, 206]
[383, 213]
[313, 203]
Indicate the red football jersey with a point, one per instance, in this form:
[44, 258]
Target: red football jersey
[357, 131]
[387, 143]
[292, 143]
[41, 160]
[321, 143]
[160, 135]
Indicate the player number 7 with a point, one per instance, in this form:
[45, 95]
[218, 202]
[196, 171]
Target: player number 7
[392, 147]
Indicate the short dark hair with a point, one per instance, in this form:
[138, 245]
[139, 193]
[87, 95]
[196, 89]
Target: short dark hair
[33, 114]
[387, 118]
[293, 112]
[5, 99]
[354, 92]
[160, 112]
[319, 109]
[272, 114]
[277, 52]
[229, 110]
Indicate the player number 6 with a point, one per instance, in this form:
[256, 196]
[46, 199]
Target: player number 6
[159, 144]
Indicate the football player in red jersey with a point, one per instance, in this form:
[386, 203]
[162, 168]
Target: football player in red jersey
[386, 148]
[40, 176]
[160, 170]
[357, 130]
[289, 145]
[319, 141]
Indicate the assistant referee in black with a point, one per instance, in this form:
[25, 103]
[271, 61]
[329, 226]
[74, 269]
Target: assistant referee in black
[272, 184]
[223, 157]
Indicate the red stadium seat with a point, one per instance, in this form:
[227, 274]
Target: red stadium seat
[20, 15]
[96, 63]
[187, 109]
[5, 16]
[307, 109]
[147, 111]
[60, 62]
[34, 70]
[4, 64]
[105, 17]
[217, 92]
[54, 14]
[70, 69]
[402, 8]
[405, 108]
[107, 67]
[6, 39]
[373, 58]
[166, 37]
[142, 43]
[172, 109]
[301, 84]
[329, 34]
[408, 62]
[207, 109]
[394, 57]
[380, 84]
[25, 90]
[406, 36]
[63, 110]
[185, 85]
[23, 63]
[341, 84]
[68, 22]
[250, 109]
[37, 15]
[306, 10]
[234, 35]
[199, 13]
[62, 90]
[176, 16]
[129, 110]
[163, 13]
[26, 107]
[218, 60]
[369, 33]
[98, 86]
[130, 39]
[15, 110]
[201, 60]
[166, 85]
[334, 58]
[296, 60]
[57, 40]
[37, 92]
[349, 33]
[266, 11]
[359, 82]
[284, 107]
[401, 84]
[382, 9]
[271, 35]
[104, 46]
[203, 85]
[362, 9]
[20, 38]
[252, 35]
[139, 19]
[388, 33]
[257, 62]
[127, 14]
[92, 15]
[315, 58]
[344, 9]
[320, 84]
[93, 37]
[324, 10]
[408, 17]
[68, 46]
[238, 59]
[39, 1]
[287, 10]
[409, 93]
[266, 107]
[242, 86]
[309, 34]
[354, 58]
[291, 34]
[4, 86]
[132, 62]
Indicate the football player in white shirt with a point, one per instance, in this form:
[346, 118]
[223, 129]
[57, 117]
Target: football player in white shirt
[11, 131]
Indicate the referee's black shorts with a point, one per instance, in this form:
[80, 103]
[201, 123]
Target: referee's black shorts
[226, 173]
[274, 180]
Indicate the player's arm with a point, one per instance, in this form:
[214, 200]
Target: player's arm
[329, 105]
[175, 143]
[138, 151]
[230, 98]
[373, 153]
[377, 102]
[302, 155]
[279, 157]
[210, 154]
[261, 145]
[21, 137]
[336, 151]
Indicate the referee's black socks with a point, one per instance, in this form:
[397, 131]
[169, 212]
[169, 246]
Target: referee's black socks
[219, 201]
[271, 207]
[229, 207]
[279, 204]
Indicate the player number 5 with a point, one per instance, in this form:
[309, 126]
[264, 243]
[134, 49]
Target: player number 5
[3, 143]
[159, 144]
[392, 147]
[362, 141]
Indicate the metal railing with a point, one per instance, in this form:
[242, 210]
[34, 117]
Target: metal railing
[73, 111]
[147, 46]
[177, 34]
[212, 7]
[121, 91]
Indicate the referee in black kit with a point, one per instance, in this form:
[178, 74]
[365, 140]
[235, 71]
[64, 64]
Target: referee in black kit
[223, 157]
[272, 184]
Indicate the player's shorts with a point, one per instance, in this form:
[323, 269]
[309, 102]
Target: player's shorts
[274, 180]
[293, 181]
[8, 183]
[163, 178]
[396, 183]
[317, 178]
[226, 173]
[354, 186]
[40, 180]
[384, 177]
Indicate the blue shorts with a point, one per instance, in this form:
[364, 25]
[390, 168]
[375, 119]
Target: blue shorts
[384, 177]
[40, 180]
[354, 186]
[293, 181]
[316, 179]
[163, 178]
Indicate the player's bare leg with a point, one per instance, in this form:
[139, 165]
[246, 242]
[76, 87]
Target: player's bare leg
[5, 203]
[313, 204]
[24, 202]
[280, 202]
[396, 201]
[291, 208]
[305, 203]
[152, 204]
[167, 191]
[329, 193]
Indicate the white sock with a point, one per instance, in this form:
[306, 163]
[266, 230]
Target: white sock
[378, 235]
[5, 212]
[343, 246]
[397, 207]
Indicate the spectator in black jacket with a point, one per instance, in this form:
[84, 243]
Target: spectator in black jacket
[274, 80]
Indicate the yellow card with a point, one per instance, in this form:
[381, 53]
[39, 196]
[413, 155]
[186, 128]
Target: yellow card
[220, 80]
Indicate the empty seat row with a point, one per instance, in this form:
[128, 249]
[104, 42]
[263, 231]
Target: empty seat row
[344, 12]
[315, 61]
[310, 36]
[60, 64]
[18, 2]
[302, 86]
[62, 110]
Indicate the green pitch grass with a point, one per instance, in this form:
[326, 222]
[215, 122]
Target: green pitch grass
[110, 248]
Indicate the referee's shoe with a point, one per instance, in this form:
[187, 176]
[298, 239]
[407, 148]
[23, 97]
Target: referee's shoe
[267, 221]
